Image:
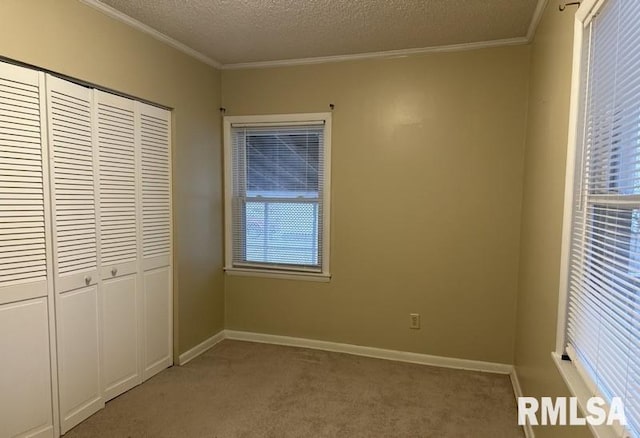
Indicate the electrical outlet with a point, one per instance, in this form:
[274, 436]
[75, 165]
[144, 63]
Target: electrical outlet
[414, 320]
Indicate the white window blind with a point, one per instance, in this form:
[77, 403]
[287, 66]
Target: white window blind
[277, 199]
[603, 315]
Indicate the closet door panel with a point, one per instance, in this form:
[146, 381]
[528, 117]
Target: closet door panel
[73, 187]
[155, 171]
[27, 393]
[120, 343]
[158, 321]
[79, 361]
[154, 134]
[119, 242]
[75, 249]
[25, 380]
[23, 230]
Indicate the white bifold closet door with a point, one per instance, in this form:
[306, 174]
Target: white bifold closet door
[85, 250]
[27, 385]
[154, 128]
[119, 236]
[75, 243]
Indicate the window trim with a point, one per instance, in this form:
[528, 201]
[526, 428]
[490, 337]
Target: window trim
[578, 383]
[278, 120]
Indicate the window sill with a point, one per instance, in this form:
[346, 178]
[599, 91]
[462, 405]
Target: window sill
[282, 275]
[581, 391]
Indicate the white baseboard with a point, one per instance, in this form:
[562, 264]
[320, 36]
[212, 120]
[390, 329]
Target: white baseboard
[357, 350]
[517, 390]
[378, 353]
[200, 348]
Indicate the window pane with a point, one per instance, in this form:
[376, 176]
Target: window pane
[282, 233]
[282, 163]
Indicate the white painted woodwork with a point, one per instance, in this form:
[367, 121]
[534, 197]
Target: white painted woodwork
[25, 380]
[79, 356]
[158, 352]
[71, 148]
[121, 344]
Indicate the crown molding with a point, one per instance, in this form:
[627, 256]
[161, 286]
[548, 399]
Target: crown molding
[535, 19]
[372, 55]
[124, 18]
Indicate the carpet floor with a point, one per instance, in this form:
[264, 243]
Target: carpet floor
[244, 389]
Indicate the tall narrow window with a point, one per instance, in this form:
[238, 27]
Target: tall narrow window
[277, 193]
[602, 330]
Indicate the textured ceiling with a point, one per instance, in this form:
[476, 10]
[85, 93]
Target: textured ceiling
[240, 31]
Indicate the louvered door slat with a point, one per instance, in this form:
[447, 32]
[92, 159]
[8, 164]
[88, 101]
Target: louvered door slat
[73, 169]
[116, 147]
[32, 123]
[155, 163]
[32, 150]
[24, 164]
[29, 191]
[22, 203]
[18, 125]
[12, 107]
[20, 258]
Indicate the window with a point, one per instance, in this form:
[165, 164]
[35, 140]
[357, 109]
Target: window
[600, 325]
[277, 194]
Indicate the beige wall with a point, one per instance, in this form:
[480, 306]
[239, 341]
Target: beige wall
[70, 38]
[427, 177]
[542, 209]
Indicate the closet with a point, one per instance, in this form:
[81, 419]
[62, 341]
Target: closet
[85, 249]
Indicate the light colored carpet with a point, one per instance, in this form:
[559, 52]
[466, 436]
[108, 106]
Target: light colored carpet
[243, 389]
